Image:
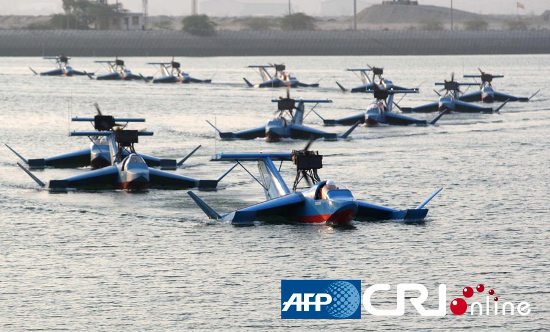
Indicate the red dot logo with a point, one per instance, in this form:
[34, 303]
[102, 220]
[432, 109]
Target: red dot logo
[496, 298]
[480, 288]
[467, 292]
[491, 292]
[458, 306]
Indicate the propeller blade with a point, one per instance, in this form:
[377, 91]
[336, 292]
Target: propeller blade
[452, 77]
[96, 105]
[309, 143]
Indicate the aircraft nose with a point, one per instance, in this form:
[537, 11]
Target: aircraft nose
[344, 215]
[136, 180]
[272, 135]
[136, 184]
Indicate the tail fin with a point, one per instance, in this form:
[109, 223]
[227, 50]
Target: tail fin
[34, 71]
[250, 85]
[397, 105]
[188, 156]
[29, 173]
[439, 116]
[319, 115]
[326, 122]
[145, 79]
[210, 212]
[212, 185]
[341, 87]
[90, 75]
[427, 200]
[211, 125]
[352, 128]
[501, 106]
[226, 172]
[534, 94]
[306, 85]
[17, 154]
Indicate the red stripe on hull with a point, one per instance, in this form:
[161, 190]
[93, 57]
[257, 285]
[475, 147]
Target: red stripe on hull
[341, 218]
[318, 219]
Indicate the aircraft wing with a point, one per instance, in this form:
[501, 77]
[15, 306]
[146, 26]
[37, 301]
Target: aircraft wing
[104, 178]
[278, 209]
[372, 212]
[306, 85]
[53, 72]
[158, 162]
[164, 180]
[303, 132]
[271, 83]
[363, 88]
[243, 134]
[463, 107]
[81, 158]
[428, 108]
[246, 134]
[347, 121]
[400, 88]
[471, 97]
[499, 96]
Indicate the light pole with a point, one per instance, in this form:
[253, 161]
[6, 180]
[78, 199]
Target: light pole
[289, 8]
[452, 18]
[355, 15]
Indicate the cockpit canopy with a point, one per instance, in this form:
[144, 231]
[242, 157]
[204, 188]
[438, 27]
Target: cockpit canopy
[133, 161]
[375, 108]
[328, 190]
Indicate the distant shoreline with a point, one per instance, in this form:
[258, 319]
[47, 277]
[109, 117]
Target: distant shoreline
[276, 43]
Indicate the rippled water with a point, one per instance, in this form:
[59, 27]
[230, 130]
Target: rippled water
[152, 261]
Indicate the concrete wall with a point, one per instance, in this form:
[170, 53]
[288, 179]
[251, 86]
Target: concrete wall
[175, 43]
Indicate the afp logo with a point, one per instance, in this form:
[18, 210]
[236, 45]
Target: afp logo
[321, 299]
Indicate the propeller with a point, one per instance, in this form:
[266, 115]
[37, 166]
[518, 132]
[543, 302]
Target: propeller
[309, 144]
[96, 105]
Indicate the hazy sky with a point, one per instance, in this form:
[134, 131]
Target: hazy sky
[182, 7]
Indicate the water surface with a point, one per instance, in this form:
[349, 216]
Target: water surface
[120, 261]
